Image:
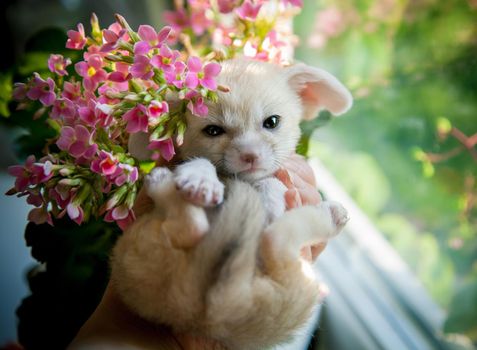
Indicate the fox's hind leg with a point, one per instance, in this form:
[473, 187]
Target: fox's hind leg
[283, 239]
[184, 223]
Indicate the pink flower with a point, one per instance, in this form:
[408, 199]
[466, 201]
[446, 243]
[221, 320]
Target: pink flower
[77, 141]
[141, 68]
[42, 90]
[20, 91]
[32, 173]
[157, 108]
[207, 80]
[128, 174]
[150, 39]
[166, 58]
[92, 72]
[104, 115]
[112, 35]
[198, 107]
[76, 39]
[35, 199]
[40, 216]
[87, 115]
[137, 119]
[199, 4]
[248, 11]
[269, 50]
[120, 74]
[330, 22]
[175, 75]
[165, 148]
[105, 164]
[93, 50]
[62, 195]
[195, 76]
[65, 109]
[57, 64]
[178, 20]
[71, 91]
[222, 36]
[123, 216]
[75, 212]
[296, 3]
[226, 6]
[41, 172]
[22, 173]
[199, 22]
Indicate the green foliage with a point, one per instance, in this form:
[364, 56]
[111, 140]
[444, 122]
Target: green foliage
[307, 127]
[413, 71]
[68, 285]
[5, 93]
[33, 131]
[464, 304]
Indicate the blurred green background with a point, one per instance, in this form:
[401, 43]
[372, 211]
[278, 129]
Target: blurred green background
[406, 152]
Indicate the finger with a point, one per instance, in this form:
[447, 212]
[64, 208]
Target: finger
[306, 254]
[284, 177]
[298, 165]
[293, 199]
[316, 250]
[309, 196]
[308, 193]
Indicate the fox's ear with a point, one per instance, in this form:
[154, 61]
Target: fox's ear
[318, 90]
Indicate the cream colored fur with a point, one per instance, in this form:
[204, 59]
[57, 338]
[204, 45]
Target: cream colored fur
[233, 271]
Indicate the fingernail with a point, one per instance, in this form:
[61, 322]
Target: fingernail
[296, 198]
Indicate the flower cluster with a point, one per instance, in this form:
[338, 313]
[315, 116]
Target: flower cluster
[131, 82]
[259, 29]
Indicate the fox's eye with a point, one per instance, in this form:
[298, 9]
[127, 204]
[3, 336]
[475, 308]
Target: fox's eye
[213, 130]
[271, 122]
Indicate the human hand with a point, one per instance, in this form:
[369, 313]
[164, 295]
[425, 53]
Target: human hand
[298, 177]
[112, 326]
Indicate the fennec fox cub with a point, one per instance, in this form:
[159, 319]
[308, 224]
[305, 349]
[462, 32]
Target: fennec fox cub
[228, 266]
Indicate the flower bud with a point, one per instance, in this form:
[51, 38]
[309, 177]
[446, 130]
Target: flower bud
[132, 98]
[116, 198]
[95, 30]
[66, 171]
[71, 182]
[158, 131]
[132, 34]
[135, 86]
[181, 128]
[125, 45]
[131, 197]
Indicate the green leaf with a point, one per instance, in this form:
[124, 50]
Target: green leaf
[5, 93]
[462, 310]
[33, 62]
[146, 167]
[69, 286]
[48, 40]
[307, 128]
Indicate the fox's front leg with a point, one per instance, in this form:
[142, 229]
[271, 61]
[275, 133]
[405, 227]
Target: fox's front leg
[184, 223]
[198, 183]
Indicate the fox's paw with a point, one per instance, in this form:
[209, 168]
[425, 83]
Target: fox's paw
[339, 216]
[199, 189]
[156, 180]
